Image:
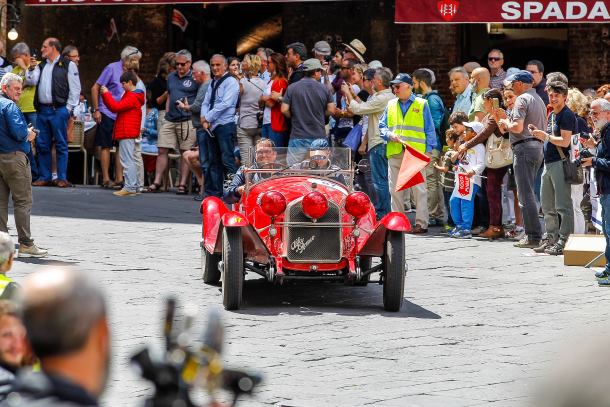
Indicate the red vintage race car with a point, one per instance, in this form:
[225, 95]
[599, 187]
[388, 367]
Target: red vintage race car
[297, 217]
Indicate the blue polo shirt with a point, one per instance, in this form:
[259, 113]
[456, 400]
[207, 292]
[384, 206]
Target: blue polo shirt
[180, 88]
[13, 128]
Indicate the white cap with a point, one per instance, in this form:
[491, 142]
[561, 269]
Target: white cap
[477, 127]
[374, 64]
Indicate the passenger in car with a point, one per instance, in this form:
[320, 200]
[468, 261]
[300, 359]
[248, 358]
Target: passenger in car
[319, 159]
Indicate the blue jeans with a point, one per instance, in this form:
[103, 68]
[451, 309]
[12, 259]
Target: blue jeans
[447, 196]
[379, 170]
[31, 118]
[203, 149]
[462, 211]
[297, 149]
[53, 126]
[221, 158]
[604, 200]
[279, 138]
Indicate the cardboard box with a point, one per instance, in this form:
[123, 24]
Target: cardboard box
[581, 249]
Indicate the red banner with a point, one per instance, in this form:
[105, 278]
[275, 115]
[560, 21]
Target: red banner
[501, 11]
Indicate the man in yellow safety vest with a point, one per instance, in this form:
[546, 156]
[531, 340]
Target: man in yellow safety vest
[407, 120]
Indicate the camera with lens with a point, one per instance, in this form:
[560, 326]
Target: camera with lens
[582, 154]
[328, 58]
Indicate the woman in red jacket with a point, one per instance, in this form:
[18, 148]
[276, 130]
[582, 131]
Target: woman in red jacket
[127, 128]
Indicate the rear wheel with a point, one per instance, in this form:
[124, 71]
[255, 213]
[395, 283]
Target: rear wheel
[233, 268]
[394, 271]
[209, 266]
[366, 263]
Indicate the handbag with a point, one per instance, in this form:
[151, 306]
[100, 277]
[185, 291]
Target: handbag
[498, 152]
[572, 173]
[354, 137]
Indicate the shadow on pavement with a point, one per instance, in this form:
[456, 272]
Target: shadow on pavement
[45, 261]
[263, 298]
[93, 202]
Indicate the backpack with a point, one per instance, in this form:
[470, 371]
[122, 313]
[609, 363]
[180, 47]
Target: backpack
[440, 133]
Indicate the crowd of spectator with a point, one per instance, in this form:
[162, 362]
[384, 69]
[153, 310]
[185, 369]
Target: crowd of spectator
[509, 134]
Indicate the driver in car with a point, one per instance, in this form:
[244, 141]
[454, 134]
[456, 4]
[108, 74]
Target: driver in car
[265, 156]
[319, 159]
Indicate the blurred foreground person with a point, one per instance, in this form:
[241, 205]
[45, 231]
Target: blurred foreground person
[13, 347]
[65, 317]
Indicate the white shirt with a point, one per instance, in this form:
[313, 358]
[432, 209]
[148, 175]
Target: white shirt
[45, 83]
[473, 161]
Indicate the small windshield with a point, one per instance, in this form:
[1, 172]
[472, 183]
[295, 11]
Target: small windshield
[266, 162]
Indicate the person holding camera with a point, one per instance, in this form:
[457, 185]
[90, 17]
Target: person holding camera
[15, 174]
[600, 115]
[555, 192]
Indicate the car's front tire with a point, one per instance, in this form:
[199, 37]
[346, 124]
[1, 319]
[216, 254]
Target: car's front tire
[209, 266]
[233, 268]
[394, 271]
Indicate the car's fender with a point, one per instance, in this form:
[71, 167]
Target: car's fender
[212, 210]
[254, 247]
[373, 246]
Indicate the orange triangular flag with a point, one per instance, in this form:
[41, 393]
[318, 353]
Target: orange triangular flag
[410, 170]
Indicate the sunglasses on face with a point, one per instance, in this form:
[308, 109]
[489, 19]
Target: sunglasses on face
[181, 63]
[494, 59]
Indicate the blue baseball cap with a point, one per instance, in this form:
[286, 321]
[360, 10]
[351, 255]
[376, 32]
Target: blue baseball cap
[319, 144]
[521, 76]
[402, 78]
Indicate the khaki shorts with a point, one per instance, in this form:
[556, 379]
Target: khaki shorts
[180, 135]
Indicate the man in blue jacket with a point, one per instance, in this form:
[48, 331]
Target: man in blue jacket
[600, 114]
[15, 175]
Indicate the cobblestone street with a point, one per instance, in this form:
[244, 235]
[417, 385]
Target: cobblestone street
[476, 328]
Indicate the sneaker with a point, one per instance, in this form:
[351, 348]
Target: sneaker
[556, 249]
[31, 251]
[601, 274]
[545, 243]
[463, 234]
[124, 192]
[526, 243]
[517, 233]
[454, 232]
[604, 282]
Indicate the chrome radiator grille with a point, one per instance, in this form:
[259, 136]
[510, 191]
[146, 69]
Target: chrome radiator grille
[313, 242]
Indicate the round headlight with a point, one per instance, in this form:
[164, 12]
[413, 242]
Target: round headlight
[273, 203]
[357, 204]
[315, 205]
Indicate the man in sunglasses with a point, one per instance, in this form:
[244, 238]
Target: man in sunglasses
[495, 60]
[177, 131]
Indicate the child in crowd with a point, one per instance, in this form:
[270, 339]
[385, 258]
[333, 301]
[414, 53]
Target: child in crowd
[447, 173]
[472, 163]
[127, 128]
